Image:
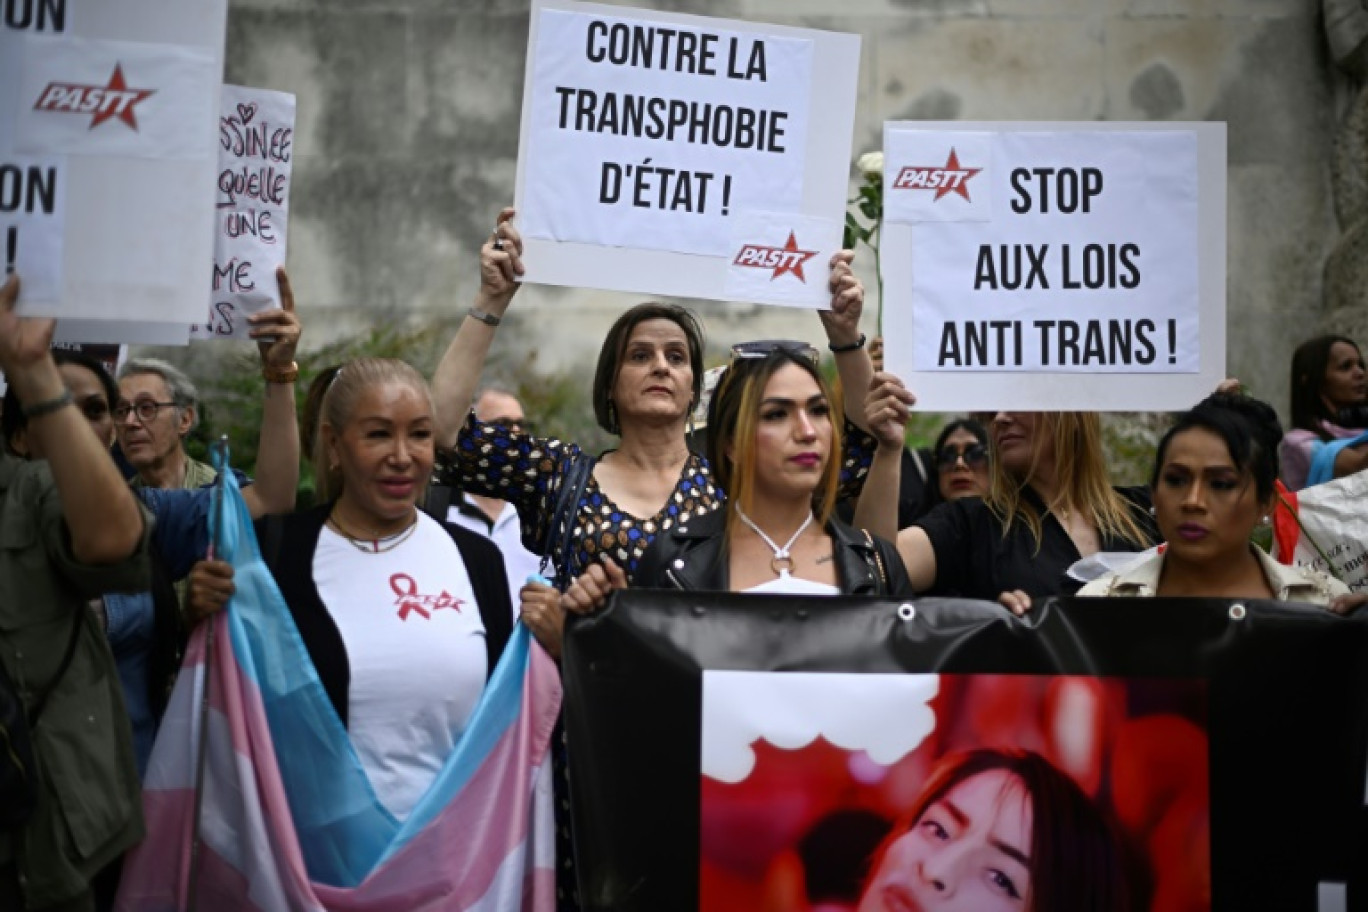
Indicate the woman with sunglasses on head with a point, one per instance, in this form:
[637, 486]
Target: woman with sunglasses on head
[1049, 504]
[774, 432]
[961, 461]
[1329, 434]
[646, 385]
[1212, 484]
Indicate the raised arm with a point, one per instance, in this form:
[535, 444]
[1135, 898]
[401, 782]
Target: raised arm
[277, 468]
[102, 518]
[886, 413]
[842, 325]
[458, 373]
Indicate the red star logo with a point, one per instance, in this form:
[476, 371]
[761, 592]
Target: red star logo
[126, 99]
[793, 260]
[960, 186]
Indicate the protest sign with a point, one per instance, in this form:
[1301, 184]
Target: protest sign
[256, 145]
[1016, 257]
[109, 121]
[647, 136]
[737, 752]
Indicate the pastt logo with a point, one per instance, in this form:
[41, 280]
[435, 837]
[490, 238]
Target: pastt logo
[781, 259]
[114, 100]
[952, 178]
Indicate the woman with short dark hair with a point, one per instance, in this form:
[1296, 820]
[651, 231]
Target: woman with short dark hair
[646, 385]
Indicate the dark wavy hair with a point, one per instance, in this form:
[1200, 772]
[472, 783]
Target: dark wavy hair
[1249, 427]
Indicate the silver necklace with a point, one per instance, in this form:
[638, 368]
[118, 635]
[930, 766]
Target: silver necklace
[782, 562]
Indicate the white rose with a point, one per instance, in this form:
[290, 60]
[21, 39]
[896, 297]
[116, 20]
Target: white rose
[871, 164]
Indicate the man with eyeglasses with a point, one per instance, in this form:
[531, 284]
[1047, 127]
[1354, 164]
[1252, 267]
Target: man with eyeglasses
[497, 520]
[158, 406]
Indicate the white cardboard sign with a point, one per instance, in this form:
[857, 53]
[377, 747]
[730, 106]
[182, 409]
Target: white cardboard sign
[1018, 256]
[252, 207]
[120, 98]
[646, 136]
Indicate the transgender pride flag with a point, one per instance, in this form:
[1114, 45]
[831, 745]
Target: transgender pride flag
[288, 818]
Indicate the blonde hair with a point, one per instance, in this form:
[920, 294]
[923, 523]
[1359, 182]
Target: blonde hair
[734, 419]
[352, 380]
[1081, 474]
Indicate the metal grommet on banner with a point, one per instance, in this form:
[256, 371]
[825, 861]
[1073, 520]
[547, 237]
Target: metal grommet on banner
[907, 611]
[1237, 612]
[699, 611]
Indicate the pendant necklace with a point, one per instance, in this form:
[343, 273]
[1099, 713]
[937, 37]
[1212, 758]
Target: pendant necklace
[782, 562]
[369, 545]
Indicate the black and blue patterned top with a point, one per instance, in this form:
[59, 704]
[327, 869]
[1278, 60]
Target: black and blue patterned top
[527, 471]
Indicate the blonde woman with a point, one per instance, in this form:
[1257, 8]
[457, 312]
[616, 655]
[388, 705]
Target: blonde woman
[1049, 504]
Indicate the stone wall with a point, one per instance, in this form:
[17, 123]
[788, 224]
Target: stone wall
[408, 135]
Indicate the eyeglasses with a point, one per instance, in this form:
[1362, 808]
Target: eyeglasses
[974, 455]
[145, 409]
[763, 348]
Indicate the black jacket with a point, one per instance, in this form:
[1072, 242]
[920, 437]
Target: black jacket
[693, 556]
[287, 546]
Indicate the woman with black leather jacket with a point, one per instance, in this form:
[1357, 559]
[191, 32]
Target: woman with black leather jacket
[774, 444]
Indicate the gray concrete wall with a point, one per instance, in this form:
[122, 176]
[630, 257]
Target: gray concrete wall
[408, 135]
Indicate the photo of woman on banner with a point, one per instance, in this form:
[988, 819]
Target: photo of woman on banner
[1212, 485]
[646, 384]
[1329, 434]
[774, 431]
[1049, 504]
[998, 830]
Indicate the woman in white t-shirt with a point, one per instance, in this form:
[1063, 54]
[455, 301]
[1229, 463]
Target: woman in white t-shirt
[773, 442]
[403, 616]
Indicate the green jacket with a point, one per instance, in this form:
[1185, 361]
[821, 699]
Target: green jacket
[89, 806]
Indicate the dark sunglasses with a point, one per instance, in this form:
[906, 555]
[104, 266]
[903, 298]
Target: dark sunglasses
[974, 455]
[763, 348]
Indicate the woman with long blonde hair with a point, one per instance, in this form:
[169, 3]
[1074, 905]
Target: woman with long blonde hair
[1050, 503]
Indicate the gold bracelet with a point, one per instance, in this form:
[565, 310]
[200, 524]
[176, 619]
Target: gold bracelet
[280, 374]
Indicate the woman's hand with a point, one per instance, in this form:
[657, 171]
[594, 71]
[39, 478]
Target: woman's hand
[500, 265]
[842, 321]
[590, 590]
[887, 407]
[1348, 604]
[543, 614]
[1015, 601]
[211, 585]
[277, 330]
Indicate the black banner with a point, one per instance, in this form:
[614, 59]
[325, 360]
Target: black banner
[1153, 707]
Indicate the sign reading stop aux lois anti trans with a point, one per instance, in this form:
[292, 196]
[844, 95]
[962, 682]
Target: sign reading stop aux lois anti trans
[650, 140]
[1017, 257]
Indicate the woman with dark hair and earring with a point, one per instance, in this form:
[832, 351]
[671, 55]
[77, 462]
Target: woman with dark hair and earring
[774, 432]
[1329, 434]
[1213, 482]
[998, 831]
[646, 384]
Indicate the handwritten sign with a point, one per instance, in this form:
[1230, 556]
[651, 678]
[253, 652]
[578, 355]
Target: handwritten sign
[648, 135]
[256, 146]
[1053, 251]
[106, 156]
